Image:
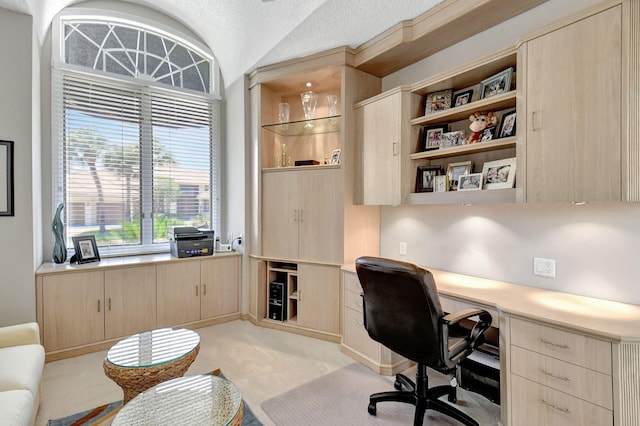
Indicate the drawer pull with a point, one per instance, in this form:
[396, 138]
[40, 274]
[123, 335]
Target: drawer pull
[561, 346]
[555, 407]
[545, 372]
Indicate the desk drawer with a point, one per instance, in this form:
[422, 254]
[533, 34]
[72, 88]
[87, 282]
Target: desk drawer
[564, 345]
[351, 282]
[353, 300]
[534, 404]
[356, 337]
[562, 376]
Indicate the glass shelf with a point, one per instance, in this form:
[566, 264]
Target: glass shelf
[297, 128]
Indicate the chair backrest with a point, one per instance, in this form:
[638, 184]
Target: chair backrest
[401, 308]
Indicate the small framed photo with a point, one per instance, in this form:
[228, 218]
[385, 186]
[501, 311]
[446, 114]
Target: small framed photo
[455, 170]
[432, 136]
[438, 101]
[425, 178]
[462, 98]
[496, 84]
[507, 125]
[86, 249]
[499, 174]
[470, 182]
[441, 183]
[487, 134]
[335, 156]
[451, 139]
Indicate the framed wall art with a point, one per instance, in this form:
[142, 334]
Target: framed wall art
[6, 179]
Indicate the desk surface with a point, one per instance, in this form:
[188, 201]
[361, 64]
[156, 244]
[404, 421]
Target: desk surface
[614, 321]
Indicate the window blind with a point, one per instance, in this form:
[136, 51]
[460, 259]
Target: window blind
[131, 161]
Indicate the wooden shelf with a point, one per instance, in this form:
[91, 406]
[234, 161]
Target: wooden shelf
[486, 196]
[496, 103]
[492, 145]
[290, 168]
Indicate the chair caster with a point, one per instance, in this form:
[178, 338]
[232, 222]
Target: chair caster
[372, 409]
[397, 385]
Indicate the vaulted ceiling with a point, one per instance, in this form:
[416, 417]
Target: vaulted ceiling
[245, 34]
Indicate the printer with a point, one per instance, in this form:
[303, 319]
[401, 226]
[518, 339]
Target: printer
[187, 241]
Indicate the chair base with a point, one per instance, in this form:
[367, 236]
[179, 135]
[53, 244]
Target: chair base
[422, 398]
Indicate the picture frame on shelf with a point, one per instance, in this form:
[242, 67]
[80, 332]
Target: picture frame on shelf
[496, 84]
[455, 170]
[470, 182]
[441, 183]
[6, 179]
[487, 134]
[507, 125]
[499, 174]
[425, 178]
[438, 101]
[432, 136]
[461, 98]
[451, 139]
[335, 156]
[86, 249]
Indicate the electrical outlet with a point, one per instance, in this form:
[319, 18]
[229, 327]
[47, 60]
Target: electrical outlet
[544, 267]
[403, 249]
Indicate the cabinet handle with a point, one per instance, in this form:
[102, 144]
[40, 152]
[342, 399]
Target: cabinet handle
[98, 305]
[546, 373]
[555, 407]
[546, 342]
[301, 216]
[109, 303]
[535, 115]
[295, 215]
[299, 295]
[196, 291]
[395, 148]
[204, 290]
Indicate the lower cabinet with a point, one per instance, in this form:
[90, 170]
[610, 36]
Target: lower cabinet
[77, 309]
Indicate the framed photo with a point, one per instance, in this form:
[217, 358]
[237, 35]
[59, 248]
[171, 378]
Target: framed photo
[335, 156]
[507, 125]
[425, 178]
[496, 84]
[6, 179]
[499, 174]
[450, 139]
[432, 136]
[438, 101]
[441, 183]
[487, 134]
[455, 170]
[470, 182]
[462, 98]
[86, 249]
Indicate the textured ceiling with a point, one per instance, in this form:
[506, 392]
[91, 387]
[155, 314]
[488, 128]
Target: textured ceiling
[244, 34]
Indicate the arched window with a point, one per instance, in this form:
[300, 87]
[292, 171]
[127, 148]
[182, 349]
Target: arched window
[136, 131]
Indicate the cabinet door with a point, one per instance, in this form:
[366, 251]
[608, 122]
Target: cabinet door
[320, 225]
[319, 297]
[130, 297]
[280, 214]
[220, 278]
[380, 141]
[573, 98]
[73, 309]
[178, 293]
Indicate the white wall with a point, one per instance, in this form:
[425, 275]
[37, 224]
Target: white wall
[17, 239]
[594, 245]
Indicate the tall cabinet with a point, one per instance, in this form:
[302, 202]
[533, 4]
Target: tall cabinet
[302, 189]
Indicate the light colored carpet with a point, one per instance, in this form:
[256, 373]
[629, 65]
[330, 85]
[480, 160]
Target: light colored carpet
[342, 398]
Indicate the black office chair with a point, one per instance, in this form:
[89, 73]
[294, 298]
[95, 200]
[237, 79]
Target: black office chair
[402, 312]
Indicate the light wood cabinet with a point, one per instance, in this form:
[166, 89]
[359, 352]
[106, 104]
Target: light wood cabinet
[220, 287]
[73, 309]
[178, 288]
[319, 297]
[575, 86]
[130, 300]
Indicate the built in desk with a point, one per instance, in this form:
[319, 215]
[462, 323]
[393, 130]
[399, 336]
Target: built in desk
[565, 359]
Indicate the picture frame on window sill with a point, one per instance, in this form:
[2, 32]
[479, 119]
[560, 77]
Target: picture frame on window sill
[455, 170]
[470, 182]
[496, 84]
[86, 249]
[438, 101]
[432, 137]
[499, 174]
[425, 178]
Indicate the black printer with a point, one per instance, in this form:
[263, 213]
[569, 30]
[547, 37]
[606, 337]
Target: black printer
[187, 241]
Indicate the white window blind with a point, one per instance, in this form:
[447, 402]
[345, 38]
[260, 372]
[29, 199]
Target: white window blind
[132, 160]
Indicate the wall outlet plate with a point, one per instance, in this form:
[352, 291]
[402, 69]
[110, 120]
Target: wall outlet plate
[544, 267]
[225, 247]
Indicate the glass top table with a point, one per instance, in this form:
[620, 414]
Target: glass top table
[193, 400]
[146, 359]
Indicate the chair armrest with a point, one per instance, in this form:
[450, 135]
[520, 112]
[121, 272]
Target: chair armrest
[21, 334]
[464, 346]
[455, 317]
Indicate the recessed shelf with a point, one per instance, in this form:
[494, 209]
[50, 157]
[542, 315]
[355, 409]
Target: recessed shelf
[306, 127]
[485, 146]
